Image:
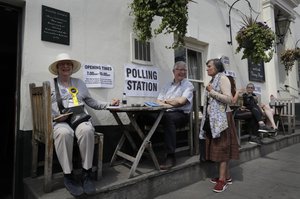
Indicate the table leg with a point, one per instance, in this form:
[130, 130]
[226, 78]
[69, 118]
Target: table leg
[127, 134]
[122, 139]
[132, 118]
[147, 144]
[119, 146]
[282, 124]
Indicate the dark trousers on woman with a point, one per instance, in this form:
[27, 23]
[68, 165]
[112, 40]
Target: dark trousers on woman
[170, 121]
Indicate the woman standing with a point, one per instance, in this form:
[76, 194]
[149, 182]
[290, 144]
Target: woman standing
[217, 126]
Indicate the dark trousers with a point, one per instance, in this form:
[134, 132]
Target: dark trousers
[170, 121]
[256, 112]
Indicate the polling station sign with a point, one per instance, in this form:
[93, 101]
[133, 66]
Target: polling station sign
[141, 80]
[98, 75]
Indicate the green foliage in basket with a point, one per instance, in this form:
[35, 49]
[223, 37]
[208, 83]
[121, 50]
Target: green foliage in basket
[173, 13]
[256, 39]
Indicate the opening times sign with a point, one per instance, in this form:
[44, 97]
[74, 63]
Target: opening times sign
[141, 80]
[98, 76]
[55, 25]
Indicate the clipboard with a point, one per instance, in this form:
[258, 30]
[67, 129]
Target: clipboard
[62, 115]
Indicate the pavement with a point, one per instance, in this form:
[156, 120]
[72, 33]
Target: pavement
[269, 169]
[275, 175]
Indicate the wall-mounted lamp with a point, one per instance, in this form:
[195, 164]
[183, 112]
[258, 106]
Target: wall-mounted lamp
[297, 43]
[282, 25]
[229, 20]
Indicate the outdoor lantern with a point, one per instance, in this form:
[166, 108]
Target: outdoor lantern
[282, 25]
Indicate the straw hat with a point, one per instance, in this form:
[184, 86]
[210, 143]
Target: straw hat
[64, 57]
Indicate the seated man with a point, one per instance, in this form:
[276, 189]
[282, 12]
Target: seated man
[250, 102]
[178, 96]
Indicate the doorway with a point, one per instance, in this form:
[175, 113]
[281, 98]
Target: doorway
[9, 20]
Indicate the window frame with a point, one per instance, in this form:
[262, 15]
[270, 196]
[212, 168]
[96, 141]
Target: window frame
[198, 83]
[189, 46]
[133, 37]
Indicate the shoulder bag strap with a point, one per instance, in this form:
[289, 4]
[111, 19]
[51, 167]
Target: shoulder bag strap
[58, 97]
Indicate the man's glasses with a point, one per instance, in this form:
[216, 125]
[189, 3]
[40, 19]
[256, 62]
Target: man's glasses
[181, 70]
[251, 87]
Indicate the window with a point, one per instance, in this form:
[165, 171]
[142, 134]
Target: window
[140, 51]
[194, 60]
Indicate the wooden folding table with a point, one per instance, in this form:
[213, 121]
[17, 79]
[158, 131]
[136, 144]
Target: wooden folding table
[132, 113]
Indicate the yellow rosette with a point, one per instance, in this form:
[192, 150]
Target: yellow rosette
[73, 91]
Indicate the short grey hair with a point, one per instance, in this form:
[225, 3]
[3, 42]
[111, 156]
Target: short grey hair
[180, 63]
[250, 84]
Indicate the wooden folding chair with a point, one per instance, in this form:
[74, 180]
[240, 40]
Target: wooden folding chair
[188, 128]
[286, 114]
[42, 132]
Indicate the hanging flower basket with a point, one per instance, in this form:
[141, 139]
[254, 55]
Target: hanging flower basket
[174, 17]
[288, 58]
[255, 38]
[297, 54]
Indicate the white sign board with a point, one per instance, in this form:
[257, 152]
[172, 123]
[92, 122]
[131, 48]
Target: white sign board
[257, 89]
[98, 76]
[141, 80]
[230, 73]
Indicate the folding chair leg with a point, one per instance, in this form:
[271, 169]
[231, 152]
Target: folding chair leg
[100, 138]
[238, 129]
[34, 160]
[48, 166]
[190, 140]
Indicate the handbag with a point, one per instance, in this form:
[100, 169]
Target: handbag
[202, 142]
[242, 114]
[79, 115]
[206, 126]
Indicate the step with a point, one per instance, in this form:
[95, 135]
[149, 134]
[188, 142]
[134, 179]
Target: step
[149, 183]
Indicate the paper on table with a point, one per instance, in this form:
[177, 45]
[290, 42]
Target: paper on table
[62, 115]
[152, 104]
[111, 107]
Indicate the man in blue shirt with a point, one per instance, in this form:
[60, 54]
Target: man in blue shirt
[178, 96]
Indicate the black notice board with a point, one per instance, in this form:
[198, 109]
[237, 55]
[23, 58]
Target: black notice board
[256, 72]
[55, 25]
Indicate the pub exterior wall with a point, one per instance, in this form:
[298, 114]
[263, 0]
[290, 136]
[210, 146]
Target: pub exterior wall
[100, 33]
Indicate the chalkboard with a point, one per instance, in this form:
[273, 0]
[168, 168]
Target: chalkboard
[256, 71]
[55, 25]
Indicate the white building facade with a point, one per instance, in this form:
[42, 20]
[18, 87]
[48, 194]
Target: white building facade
[101, 32]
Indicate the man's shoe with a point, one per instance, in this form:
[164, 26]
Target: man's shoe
[274, 133]
[88, 183]
[72, 185]
[168, 163]
[255, 140]
[265, 129]
[215, 180]
[220, 186]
